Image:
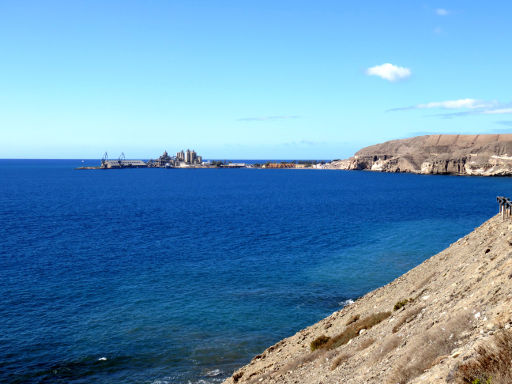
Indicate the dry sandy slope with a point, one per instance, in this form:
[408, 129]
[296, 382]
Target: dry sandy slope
[461, 297]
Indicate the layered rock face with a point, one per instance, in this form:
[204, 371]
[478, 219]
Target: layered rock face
[428, 326]
[481, 155]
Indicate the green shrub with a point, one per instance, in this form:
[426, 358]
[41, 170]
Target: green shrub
[319, 342]
[353, 329]
[400, 304]
[478, 381]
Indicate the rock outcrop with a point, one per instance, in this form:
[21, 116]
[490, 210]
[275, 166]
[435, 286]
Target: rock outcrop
[427, 326]
[479, 155]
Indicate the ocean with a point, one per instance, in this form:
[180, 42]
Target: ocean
[182, 275]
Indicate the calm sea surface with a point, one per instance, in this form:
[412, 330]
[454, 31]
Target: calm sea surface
[178, 276]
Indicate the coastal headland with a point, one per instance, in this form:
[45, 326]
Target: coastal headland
[472, 155]
[448, 320]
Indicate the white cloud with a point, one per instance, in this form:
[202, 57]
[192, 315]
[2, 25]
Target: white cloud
[499, 111]
[456, 104]
[389, 72]
[442, 12]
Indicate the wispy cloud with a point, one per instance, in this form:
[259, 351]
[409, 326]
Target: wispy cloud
[442, 12]
[449, 104]
[457, 104]
[389, 72]
[451, 115]
[268, 118]
[464, 106]
[499, 111]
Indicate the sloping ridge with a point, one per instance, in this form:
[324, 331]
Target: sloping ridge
[424, 327]
[483, 155]
[442, 143]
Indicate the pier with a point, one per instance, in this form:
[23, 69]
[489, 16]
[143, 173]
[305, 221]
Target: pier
[505, 206]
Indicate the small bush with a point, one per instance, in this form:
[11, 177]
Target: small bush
[478, 381]
[339, 360]
[353, 329]
[408, 316]
[426, 350]
[400, 304]
[353, 319]
[390, 343]
[291, 365]
[237, 376]
[493, 363]
[343, 338]
[319, 342]
[366, 343]
[424, 282]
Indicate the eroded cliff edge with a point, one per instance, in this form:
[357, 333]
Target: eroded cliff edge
[480, 155]
[427, 326]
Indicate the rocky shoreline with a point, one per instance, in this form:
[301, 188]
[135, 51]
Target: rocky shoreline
[431, 325]
[471, 155]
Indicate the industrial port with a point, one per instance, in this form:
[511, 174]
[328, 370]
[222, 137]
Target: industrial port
[182, 159]
[190, 159]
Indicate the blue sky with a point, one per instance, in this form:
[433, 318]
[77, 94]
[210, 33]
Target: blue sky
[240, 79]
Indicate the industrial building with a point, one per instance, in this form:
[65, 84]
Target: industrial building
[121, 162]
[182, 159]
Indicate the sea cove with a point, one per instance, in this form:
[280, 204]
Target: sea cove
[152, 276]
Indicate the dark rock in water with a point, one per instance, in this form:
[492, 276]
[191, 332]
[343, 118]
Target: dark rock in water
[480, 155]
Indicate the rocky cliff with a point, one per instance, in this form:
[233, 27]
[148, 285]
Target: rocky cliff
[446, 321]
[481, 155]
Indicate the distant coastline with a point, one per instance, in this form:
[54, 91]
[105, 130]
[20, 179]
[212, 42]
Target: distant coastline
[190, 160]
[465, 155]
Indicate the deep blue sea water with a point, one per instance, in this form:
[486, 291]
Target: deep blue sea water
[178, 276]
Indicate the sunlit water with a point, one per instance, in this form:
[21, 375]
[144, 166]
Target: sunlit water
[177, 276]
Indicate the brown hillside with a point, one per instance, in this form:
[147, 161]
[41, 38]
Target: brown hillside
[483, 155]
[438, 323]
